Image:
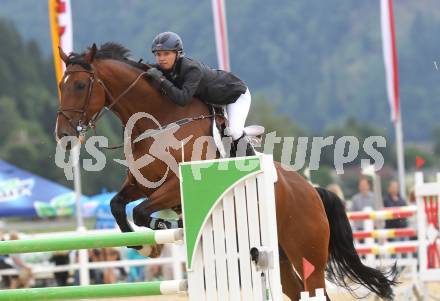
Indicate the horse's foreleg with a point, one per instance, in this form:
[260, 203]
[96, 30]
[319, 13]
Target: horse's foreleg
[119, 202]
[167, 196]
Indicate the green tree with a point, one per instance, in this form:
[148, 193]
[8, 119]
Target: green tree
[361, 131]
[264, 112]
[323, 176]
[10, 118]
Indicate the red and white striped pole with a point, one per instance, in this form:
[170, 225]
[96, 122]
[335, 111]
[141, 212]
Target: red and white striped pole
[221, 34]
[408, 247]
[385, 233]
[388, 213]
[392, 82]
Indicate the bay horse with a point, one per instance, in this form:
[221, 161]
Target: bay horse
[312, 223]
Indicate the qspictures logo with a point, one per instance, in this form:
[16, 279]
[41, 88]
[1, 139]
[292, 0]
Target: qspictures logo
[346, 149]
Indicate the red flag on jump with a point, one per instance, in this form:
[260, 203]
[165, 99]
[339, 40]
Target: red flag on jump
[419, 162]
[308, 269]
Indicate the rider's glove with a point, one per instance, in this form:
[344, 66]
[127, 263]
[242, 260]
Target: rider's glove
[155, 74]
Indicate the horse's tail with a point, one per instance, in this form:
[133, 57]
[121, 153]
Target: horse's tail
[344, 265]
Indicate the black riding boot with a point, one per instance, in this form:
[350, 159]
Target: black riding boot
[241, 145]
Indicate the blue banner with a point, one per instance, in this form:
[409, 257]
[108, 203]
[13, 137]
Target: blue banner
[25, 194]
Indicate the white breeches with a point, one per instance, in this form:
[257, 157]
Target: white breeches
[237, 114]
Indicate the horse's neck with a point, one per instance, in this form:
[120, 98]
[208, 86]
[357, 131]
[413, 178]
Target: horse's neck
[143, 97]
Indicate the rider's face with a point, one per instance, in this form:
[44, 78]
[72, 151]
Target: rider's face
[166, 59]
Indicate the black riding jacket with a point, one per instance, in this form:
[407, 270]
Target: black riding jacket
[190, 78]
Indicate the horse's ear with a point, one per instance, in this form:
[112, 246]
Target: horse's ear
[90, 55]
[63, 55]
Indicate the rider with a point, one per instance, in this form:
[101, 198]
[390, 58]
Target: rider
[182, 78]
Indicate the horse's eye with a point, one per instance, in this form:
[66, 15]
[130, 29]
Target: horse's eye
[79, 85]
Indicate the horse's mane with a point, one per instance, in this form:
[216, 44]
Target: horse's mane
[109, 50]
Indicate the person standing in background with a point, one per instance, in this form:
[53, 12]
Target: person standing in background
[362, 200]
[393, 199]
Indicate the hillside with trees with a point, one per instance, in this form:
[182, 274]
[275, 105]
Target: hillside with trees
[322, 59]
[314, 68]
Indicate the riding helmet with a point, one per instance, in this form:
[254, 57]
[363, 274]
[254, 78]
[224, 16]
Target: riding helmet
[167, 41]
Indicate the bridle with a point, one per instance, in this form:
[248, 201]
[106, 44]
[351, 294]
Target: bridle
[82, 127]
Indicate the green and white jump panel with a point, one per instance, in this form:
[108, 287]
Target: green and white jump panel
[229, 208]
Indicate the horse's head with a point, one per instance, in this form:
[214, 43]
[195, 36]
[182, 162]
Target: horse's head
[82, 95]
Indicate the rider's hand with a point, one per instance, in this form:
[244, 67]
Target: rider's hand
[155, 74]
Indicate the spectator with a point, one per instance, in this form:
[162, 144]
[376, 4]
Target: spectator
[362, 200]
[24, 271]
[155, 273]
[393, 199]
[111, 274]
[7, 281]
[136, 273]
[61, 258]
[96, 275]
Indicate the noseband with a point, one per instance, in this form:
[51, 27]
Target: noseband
[82, 126]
